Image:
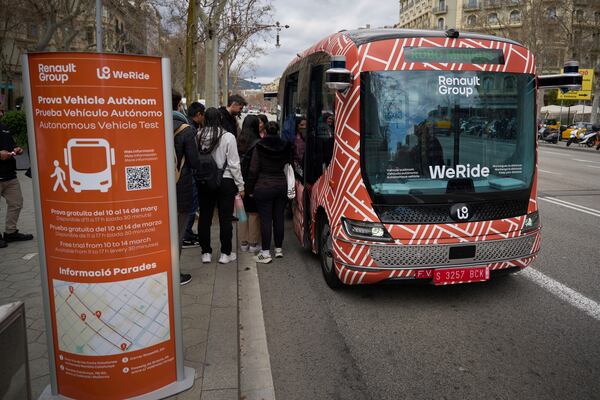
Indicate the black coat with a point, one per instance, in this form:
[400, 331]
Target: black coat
[185, 145]
[228, 121]
[268, 159]
[8, 168]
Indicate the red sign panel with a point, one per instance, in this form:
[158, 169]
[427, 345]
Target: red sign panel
[101, 157]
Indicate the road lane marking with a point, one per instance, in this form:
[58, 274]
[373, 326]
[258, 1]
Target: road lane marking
[579, 159]
[572, 206]
[553, 152]
[548, 172]
[576, 299]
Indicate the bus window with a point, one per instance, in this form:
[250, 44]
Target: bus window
[290, 105]
[321, 120]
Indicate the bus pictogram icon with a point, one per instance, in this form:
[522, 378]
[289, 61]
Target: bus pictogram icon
[90, 164]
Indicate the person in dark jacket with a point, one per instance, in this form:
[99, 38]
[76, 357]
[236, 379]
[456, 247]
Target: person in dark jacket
[248, 231]
[186, 151]
[268, 185]
[195, 114]
[231, 113]
[10, 188]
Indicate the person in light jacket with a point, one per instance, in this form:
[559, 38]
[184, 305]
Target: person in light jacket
[225, 153]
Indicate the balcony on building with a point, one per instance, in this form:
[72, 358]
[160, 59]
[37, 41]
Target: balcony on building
[492, 4]
[440, 9]
[471, 5]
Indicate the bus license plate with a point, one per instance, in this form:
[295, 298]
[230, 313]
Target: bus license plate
[452, 276]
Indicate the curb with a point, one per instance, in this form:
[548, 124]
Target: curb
[560, 146]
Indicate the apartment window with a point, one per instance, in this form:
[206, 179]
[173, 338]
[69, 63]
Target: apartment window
[471, 20]
[515, 2]
[493, 19]
[597, 17]
[579, 15]
[32, 32]
[515, 17]
[551, 12]
[442, 4]
[440, 23]
[89, 34]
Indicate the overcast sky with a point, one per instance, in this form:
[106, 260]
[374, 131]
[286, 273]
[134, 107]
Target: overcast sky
[313, 20]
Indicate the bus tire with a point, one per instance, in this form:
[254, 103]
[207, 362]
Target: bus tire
[326, 257]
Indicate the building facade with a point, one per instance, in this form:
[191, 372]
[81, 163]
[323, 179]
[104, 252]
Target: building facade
[555, 30]
[129, 26]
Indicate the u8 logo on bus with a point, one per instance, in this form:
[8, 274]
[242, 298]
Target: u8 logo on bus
[460, 212]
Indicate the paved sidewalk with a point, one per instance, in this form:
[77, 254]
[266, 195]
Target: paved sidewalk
[209, 308]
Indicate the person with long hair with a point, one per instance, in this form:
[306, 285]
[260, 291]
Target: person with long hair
[248, 231]
[268, 185]
[300, 145]
[262, 125]
[222, 146]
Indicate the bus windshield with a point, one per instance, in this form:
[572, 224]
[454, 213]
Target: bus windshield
[431, 133]
[88, 159]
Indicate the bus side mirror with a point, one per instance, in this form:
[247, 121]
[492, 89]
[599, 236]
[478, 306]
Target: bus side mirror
[337, 77]
[570, 79]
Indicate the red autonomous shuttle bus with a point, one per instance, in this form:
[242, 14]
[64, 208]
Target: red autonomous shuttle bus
[420, 154]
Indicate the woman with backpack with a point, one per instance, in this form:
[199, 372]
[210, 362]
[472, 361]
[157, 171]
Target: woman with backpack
[267, 184]
[248, 231]
[219, 179]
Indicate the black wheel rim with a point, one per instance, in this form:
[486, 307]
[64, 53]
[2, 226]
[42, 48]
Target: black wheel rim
[326, 250]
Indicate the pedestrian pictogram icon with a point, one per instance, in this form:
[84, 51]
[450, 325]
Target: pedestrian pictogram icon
[60, 176]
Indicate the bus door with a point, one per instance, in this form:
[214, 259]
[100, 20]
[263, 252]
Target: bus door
[319, 140]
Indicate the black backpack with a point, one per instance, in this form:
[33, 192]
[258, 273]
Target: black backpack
[208, 175]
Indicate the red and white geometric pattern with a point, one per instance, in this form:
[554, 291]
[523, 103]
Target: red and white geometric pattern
[341, 192]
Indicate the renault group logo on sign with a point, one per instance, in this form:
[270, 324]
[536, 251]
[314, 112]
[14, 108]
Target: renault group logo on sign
[105, 73]
[460, 212]
[56, 72]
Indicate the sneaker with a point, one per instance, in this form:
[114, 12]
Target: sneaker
[225, 259]
[244, 247]
[254, 249]
[278, 252]
[2, 244]
[263, 258]
[206, 258]
[184, 279]
[17, 236]
[187, 244]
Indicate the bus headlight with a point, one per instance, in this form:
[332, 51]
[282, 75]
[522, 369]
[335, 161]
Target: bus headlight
[532, 222]
[366, 230]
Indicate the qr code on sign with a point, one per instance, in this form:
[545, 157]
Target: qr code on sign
[138, 178]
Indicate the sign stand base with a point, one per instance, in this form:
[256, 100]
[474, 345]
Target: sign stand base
[164, 392]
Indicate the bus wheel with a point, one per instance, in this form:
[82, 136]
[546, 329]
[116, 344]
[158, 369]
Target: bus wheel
[326, 257]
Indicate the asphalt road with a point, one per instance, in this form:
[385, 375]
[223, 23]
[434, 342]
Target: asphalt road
[510, 338]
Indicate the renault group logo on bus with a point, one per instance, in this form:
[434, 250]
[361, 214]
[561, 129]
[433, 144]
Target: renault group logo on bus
[463, 86]
[460, 212]
[105, 73]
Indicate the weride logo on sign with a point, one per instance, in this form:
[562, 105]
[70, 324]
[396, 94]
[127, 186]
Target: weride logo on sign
[106, 73]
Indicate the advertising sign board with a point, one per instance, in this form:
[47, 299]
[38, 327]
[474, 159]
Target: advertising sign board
[586, 87]
[100, 134]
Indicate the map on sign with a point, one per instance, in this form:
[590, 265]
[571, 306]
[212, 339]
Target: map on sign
[99, 319]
